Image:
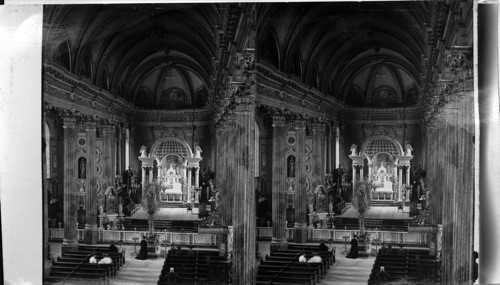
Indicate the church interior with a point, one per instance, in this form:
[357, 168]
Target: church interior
[252, 132]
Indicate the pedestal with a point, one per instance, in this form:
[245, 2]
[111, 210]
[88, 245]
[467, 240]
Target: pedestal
[91, 236]
[112, 218]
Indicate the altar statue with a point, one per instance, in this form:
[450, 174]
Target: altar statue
[409, 149]
[143, 151]
[354, 150]
[197, 151]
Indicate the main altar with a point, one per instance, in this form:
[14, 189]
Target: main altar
[387, 164]
[175, 167]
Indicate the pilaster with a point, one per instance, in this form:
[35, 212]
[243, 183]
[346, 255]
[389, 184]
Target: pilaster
[278, 182]
[91, 190]
[300, 226]
[70, 240]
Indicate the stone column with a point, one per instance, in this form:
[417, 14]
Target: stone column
[300, 226]
[361, 173]
[127, 146]
[197, 177]
[108, 135]
[228, 171]
[119, 157]
[329, 153]
[354, 180]
[408, 175]
[279, 185]
[132, 155]
[189, 194]
[91, 191]
[244, 203]
[151, 174]
[400, 181]
[316, 156]
[143, 182]
[70, 240]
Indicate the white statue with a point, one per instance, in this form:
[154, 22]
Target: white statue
[197, 151]
[354, 150]
[409, 149]
[144, 151]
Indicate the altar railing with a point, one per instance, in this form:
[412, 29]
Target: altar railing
[195, 239]
[339, 235]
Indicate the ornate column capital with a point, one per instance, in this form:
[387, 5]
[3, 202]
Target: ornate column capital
[317, 127]
[69, 122]
[108, 128]
[278, 121]
[89, 126]
[299, 124]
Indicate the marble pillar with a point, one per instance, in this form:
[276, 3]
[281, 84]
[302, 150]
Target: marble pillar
[143, 185]
[300, 226]
[400, 182]
[244, 221]
[108, 135]
[316, 156]
[132, 155]
[197, 177]
[279, 184]
[91, 190]
[354, 177]
[70, 240]
[151, 175]
[228, 172]
[119, 157]
[408, 175]
[189, 186]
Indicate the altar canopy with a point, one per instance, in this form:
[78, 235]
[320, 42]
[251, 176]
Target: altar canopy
[385, 159]
[175, 167]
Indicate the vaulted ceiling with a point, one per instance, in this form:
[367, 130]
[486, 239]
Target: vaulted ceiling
[154, 56]
[364, 54]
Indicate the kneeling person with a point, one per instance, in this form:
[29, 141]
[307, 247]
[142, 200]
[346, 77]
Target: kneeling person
[106, 260]
[315, 259]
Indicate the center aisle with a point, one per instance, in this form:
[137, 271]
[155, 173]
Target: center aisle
[348, 271]
[138, 271]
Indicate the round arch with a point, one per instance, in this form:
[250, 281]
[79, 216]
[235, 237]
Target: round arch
[381, 143]
[170, 145]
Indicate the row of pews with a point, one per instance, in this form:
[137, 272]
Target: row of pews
[282, 266]
[413, 265]
[74, 265]
[192, 267]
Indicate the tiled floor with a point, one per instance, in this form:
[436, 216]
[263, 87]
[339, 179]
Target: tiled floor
[344, 271]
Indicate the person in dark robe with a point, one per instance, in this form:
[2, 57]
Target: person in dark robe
[323, 247]
[382, 275]
[143, 253]
[173, 250]
[172, 277]
[112, 247]
[353, 253]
